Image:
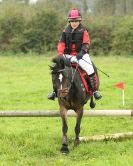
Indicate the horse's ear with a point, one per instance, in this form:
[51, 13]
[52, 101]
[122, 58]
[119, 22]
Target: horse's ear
[51, 67]
[54, 59]
[59, 60]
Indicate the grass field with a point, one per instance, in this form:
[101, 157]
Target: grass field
[24, 85]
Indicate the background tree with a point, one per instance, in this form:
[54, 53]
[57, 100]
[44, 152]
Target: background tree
[113, 7]
[85, 6]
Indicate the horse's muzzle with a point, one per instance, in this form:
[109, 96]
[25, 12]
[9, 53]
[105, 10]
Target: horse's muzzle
[63, 92]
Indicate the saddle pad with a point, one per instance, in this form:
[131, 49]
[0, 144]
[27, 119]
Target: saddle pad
[83, 75]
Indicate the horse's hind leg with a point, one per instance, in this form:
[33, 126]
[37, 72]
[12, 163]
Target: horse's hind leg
[64, 148]
[77, 127]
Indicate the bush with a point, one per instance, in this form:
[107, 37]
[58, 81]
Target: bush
[37, 32]
[123, 36]
[101, 38]
[41, 33]
[100, 31]
[114, 34]
[10, 28]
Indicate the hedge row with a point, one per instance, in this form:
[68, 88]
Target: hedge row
[24, 30]
[112, 35]
[21, 31]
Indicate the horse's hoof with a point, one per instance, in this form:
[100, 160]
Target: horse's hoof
[92, 105]
[76, 142]
[64, 149]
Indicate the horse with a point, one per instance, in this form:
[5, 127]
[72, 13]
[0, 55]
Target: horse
[71, 94]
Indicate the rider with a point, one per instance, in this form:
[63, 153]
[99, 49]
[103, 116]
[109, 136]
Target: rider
[74, 44]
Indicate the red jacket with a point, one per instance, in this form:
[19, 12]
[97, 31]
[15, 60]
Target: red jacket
[74, 42]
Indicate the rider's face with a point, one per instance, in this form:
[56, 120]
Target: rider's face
[74, 23]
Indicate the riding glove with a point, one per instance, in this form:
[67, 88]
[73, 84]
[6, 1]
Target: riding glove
[79, 56]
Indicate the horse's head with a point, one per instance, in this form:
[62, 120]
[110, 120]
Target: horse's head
[61, 77]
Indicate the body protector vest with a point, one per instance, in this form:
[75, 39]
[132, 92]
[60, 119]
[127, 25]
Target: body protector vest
[71, 36]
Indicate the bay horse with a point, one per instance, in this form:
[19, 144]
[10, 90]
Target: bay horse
[71, 94]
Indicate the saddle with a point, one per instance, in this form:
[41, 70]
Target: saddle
[84, 78]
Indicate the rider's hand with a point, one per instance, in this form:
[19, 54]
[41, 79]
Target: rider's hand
[60, 55]
[79, 56]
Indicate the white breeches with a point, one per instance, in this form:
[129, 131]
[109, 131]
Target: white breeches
[85, 63]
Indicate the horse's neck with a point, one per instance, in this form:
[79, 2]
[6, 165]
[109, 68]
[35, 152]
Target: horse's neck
[77, 82]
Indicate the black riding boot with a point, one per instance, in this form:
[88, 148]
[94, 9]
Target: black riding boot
[52, 96]
[93, 85]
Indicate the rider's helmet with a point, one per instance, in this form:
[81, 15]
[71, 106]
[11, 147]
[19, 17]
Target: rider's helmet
[74, 14]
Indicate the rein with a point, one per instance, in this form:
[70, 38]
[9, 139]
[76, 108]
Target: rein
[73, 74]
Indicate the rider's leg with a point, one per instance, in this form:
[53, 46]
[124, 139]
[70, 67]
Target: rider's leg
[93, 85]
[53, 95]
[86, 64]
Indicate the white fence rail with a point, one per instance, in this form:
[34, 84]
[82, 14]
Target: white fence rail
[71, 113]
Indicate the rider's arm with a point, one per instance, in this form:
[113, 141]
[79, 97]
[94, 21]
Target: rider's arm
[61, 45]
[60, 48]
[86, 42]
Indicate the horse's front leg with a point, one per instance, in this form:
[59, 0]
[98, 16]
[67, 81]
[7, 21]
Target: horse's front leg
[77, 127]
[63, 113]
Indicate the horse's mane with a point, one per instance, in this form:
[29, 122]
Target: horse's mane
[59, 62]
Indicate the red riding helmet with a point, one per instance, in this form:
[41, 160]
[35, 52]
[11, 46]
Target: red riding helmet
[74, 14]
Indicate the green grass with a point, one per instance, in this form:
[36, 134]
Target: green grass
[24, 85]
[37, 141]
[25, 82]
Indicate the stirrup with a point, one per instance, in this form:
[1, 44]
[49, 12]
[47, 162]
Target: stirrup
[52, 96]
[97, 95]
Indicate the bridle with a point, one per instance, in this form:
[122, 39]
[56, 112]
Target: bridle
[66, 90]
